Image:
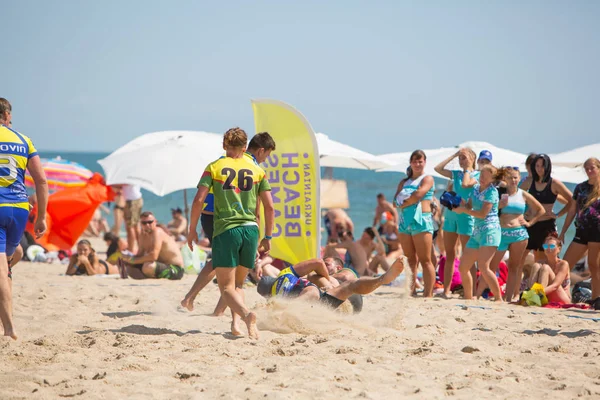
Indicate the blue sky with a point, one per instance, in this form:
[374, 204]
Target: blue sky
[382, 76]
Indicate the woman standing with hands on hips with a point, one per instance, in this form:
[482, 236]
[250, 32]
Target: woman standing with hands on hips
[545, 190]
[514, 227]
[457, 226]
[486, 232]
[413, 197]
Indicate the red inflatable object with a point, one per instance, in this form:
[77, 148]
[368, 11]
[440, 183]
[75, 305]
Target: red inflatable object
[70, 212]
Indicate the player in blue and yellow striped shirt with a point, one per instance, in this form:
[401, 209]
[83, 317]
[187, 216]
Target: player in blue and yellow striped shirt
[17, 154]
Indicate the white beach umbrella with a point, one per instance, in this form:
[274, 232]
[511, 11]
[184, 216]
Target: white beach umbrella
[339, 155]
[163, 162]
[500, 158]
[576, 157]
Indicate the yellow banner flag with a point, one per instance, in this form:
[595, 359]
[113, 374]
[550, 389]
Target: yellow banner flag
[294, 174]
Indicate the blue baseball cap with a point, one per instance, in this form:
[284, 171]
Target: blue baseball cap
[485, 155]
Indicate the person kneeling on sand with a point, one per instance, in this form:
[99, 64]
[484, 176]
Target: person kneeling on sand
[86, 262]
[292, 284]
[158, 255]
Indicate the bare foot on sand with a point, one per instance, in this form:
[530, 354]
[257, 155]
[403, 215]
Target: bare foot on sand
[10, 333]
[395, 269]
[235, 330]
[250, 321]
[217, 314]
[188, 303]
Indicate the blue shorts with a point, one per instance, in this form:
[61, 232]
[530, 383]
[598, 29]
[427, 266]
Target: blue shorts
[414, 228]
[461, 224]
[12, 226]
[485, 237]
[512, 235]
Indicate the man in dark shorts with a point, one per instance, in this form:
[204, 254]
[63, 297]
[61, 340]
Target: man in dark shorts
[158, 255]
[312, 280]
[259, 149]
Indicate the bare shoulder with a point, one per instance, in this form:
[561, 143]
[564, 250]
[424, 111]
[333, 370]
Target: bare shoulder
[427, 181]
[160, 235]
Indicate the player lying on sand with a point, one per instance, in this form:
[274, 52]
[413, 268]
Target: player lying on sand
[312, 280]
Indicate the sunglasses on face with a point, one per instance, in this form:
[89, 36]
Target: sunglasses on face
[147, 222]
[548, 246]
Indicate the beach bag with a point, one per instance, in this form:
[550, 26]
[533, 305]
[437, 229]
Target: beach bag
[450, 200]
[582, 292]
[193, 261]
[456, 279]
[536, 296]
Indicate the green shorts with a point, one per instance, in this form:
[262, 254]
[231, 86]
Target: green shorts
[485, 237]
[236, 246]
[512, 235]
[461, 224]
[414, 228]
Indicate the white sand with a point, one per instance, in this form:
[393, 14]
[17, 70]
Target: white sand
[89, 337]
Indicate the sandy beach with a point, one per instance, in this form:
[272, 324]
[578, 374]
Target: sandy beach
[105, 338]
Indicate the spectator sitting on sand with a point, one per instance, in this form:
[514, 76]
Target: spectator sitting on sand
[337, 222]
[86, 262]
[116, 248]
[158, 255]
[390, 238]
[552, 273]
[98, 224]
[358, 254]
[178, 225]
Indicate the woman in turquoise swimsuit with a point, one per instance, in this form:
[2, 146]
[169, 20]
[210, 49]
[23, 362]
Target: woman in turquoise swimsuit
[413, 197]
[514, 228]
[486, 232]
[457, 226]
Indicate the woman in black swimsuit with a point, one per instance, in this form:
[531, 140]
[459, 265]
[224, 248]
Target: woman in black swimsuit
[544, 189]
[586, 212]
[86, 262]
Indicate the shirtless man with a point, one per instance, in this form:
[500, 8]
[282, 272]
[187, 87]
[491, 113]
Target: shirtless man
[178, 225]
[158, 255]
[291, 282]
[358, 254]
[384, 206]
[336, 222]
